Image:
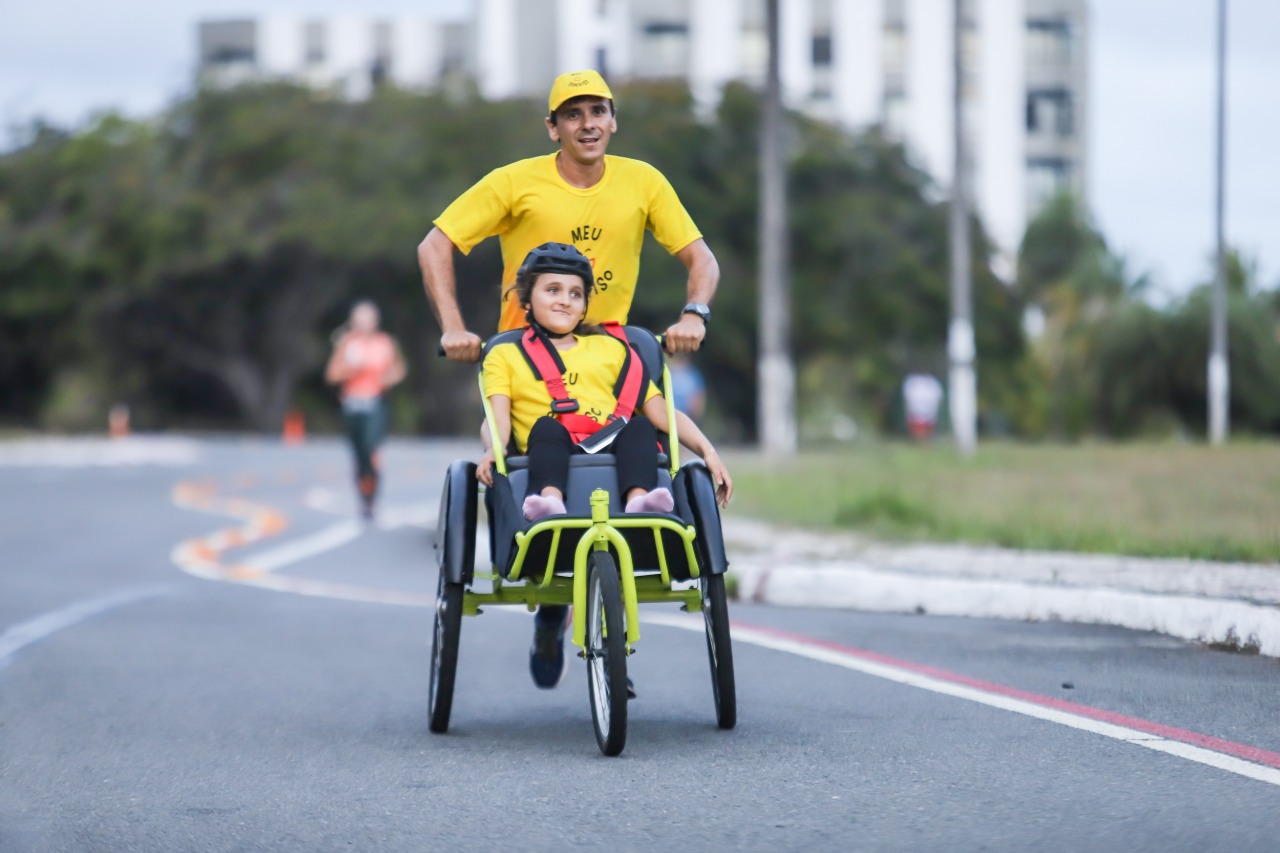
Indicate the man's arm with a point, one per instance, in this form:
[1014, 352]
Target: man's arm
[686, 334]
[435, 258]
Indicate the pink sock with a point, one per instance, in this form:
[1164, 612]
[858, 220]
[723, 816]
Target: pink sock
[540, 506]
[659, 500]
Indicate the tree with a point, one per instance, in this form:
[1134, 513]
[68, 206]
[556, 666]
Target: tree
[1067, 272]
[196, 264]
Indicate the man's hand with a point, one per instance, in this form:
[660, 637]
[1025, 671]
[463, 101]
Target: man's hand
[484, 468]
[686, 335]
[461, 346]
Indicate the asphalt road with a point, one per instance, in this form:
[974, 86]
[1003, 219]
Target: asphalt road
[281, 705]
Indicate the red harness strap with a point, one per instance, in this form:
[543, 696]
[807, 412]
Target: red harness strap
[549, 368]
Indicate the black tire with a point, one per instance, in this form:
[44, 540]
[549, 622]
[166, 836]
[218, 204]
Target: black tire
[606, 653]
[715, 613]
[444, 651]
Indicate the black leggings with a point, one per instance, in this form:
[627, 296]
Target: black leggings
[635, 449]
[366, 428]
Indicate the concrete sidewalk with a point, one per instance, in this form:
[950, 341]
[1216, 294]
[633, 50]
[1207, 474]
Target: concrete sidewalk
[1232, 604]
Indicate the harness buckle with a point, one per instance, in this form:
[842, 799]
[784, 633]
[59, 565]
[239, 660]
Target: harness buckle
[564, 407]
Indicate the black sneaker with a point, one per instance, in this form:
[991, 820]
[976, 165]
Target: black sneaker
[546, 658]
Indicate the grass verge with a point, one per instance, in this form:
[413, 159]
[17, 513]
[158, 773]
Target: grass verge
[1143, 499]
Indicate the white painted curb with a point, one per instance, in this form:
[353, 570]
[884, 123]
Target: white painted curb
[1229, 604]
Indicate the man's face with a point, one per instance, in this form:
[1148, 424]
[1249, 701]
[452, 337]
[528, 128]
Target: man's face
[583, 127]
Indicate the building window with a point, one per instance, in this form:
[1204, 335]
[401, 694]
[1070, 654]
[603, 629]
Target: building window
[895, 15]
[1046, 177]
[1051, 111]
[822, 49]
[1050, 41]
[602, 61]
[232, 55]
[664, 49]
[313, 42]
[895, 113]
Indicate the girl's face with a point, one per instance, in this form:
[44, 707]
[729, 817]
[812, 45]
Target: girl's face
[558, 301]
[364, 318]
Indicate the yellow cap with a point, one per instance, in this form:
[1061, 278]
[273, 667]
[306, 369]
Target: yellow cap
[575, 84]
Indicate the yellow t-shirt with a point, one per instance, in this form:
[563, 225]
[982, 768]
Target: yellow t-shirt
[591, 369]
[527, 204]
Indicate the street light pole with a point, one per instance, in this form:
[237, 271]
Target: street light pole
[1219, 367]
[960, 339]
[776, 405]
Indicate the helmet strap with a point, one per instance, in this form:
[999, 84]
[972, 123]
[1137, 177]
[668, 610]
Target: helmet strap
[543, 330]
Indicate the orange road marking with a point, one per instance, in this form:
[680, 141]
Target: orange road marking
[202, 556]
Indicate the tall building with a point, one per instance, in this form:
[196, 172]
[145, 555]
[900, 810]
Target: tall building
[860, 63]
[349, 53]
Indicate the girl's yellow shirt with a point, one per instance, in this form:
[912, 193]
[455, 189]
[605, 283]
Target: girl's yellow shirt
[591, 369]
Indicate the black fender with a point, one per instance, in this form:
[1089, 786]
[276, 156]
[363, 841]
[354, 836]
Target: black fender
[455, 542]
[698, 491]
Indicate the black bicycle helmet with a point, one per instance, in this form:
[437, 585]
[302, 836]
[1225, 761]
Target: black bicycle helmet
[553, 257]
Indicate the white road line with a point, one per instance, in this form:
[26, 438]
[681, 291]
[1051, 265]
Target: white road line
[340, 534]
[909, 678]
[304, 547]
[33, 630]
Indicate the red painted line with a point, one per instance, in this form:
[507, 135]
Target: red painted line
[1249, 753]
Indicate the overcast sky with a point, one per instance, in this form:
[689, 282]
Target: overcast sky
[1151, 110]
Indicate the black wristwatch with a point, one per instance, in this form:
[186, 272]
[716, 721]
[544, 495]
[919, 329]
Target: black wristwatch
[699, 309]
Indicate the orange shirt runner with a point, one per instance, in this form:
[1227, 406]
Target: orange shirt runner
[370, 356]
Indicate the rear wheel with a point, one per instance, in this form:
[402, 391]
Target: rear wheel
[606, 653]
[444, 651]
[715, 614]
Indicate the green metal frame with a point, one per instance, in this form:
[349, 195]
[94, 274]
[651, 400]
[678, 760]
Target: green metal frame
[602, 533]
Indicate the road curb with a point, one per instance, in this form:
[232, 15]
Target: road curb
[1227, 604]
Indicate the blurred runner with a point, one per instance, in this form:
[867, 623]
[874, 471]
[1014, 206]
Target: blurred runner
[365, 363]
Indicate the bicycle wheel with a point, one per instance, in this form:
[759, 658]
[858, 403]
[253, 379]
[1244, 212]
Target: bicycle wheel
[606, 653]
[715, 613]
[444, 651]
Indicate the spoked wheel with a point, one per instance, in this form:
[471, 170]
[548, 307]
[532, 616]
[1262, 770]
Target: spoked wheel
[444, 651]
[715, 613]
[606, 653]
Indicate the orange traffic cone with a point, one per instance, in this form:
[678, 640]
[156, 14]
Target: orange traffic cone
[295, 429]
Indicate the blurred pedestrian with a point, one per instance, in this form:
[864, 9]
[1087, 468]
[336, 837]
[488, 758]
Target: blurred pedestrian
[921, 398]
[365, 363]
[602, 205]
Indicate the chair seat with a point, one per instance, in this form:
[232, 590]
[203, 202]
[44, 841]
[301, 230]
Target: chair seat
[580, 460]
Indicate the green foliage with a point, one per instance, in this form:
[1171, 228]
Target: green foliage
[195, 265]
[1117, 365]
[1169, 499]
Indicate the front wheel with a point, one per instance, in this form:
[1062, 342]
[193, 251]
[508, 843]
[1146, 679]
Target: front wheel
[606, 653]
[715, 613]
[444, 651]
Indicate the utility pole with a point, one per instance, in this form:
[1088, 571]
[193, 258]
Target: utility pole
[960, 342]
[1219, 367]
[776, 404]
